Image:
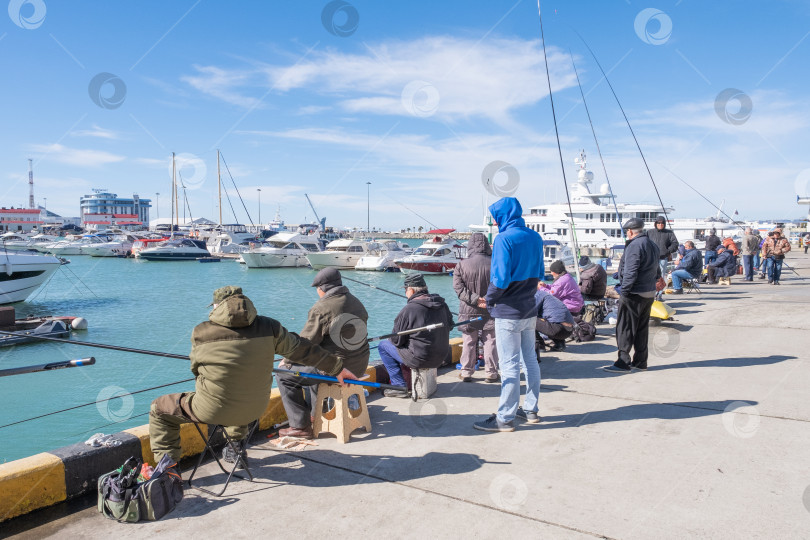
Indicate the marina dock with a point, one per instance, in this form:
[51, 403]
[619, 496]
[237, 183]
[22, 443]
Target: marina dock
[711, 442]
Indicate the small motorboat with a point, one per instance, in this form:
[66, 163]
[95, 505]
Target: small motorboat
[381, 256]
[50, 328]
[282, 250]
[177, 249]
[436, 256]
[76, 247]
[342, 253]
[119, 246]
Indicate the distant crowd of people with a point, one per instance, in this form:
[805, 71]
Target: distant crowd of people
[500, 288]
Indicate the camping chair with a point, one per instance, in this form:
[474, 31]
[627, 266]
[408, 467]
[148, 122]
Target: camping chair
[692, 285]
[219, 430]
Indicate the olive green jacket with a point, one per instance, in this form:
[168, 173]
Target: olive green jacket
[337, 322]
[232, 358]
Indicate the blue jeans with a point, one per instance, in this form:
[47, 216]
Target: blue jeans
[515, 342]
[392, 361]
[756, 260]
[709, 257]
[774, 269]
[748, 266]
[678, 276]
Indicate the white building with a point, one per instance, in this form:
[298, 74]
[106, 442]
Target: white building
[20, 219]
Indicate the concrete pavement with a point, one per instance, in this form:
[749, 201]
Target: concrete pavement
[711, 442]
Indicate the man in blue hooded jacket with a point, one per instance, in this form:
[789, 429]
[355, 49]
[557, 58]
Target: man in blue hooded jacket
[517, 266]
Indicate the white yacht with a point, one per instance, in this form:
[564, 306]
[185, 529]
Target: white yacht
[176, 249]
[342, 253]
[282, 250]
[22, 273]
[381, 255]
[436, 256]
[12, 241]
[75, 247]
[119, 246]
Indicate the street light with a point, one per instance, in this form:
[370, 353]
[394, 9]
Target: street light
[46, 205]
[260, 205]
[368, 206]
[157, 205]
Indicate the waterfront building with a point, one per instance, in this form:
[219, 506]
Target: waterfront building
[103, 209]
[20, 219]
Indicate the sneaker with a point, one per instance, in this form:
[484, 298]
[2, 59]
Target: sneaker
[640, 367]
[677, 291]
[229, 455]
[464, 378]
[762, 276]
[613, 368]
[495, 379]
[390, 392]
[493, 424]
[559, 346]
[776, 283]
[529, 417]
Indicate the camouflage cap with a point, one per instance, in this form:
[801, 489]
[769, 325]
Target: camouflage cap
[224, 292]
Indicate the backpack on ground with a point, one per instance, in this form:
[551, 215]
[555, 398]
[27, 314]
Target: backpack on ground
[583, 331]
[121, 496]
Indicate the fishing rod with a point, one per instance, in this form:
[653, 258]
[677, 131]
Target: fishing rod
[559, 146]
[327, 378]
[598, 149]
[237, 190]
[429, 328]
[719, 209]
[370, 286]
[627, 121]
[48, 367]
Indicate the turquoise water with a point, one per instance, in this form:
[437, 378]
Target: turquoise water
[155, 306]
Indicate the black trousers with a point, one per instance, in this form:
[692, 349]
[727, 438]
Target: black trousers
[554, 331]
[633, 330]
[292, 395]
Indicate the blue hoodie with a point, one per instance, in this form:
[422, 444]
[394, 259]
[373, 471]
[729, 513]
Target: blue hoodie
[517, 263]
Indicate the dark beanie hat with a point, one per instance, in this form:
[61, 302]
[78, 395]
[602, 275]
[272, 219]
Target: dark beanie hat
[415, 280]
[661, 219]
[557, 267]
[327, 278]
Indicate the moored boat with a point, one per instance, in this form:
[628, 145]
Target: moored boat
[342, 253]
[177, 249]
[381, 257]
[283, 250]
[436, 256]
[22, 273]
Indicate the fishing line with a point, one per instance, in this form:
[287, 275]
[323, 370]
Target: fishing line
[598, 149]
[381, 289]
[236, 188]
[80, 279]
[185, 197]
[227, 195]
[94, 403]
[559, 147]
[626, 120]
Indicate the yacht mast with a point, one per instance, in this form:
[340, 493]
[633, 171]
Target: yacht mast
[174, 196]
[219, 184]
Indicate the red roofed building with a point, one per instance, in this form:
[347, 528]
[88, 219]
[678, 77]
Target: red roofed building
[20, 219]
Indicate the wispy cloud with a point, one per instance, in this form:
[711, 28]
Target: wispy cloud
[75, 156]
[494, 79]
[95, 131]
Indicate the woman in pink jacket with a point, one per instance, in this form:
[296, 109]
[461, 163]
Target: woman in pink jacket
[565, 288]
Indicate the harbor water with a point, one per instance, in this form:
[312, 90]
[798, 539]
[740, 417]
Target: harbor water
[154, 306]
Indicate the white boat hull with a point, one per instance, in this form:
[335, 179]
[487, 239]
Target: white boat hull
[340, 260]
[375, 264]
[274, 260]
[14, 287]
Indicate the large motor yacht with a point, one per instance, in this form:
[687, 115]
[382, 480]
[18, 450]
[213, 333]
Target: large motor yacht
[282, 250]
[22, 273]
[343, 253]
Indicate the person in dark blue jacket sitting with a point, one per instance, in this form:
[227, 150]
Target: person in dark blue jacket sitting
[690, 267]
[724, 266]
[517, 266]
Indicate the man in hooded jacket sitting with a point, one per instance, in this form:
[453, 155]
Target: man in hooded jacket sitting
[232, 358]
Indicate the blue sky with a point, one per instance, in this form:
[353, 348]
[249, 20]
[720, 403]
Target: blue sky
[416, 98]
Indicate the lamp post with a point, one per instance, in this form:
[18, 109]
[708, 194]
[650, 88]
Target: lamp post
[46, 205]
[368, 206]
[157, 205]
[260, 205]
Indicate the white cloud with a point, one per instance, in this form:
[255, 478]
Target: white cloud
[95, 131]
[466, 78]
[75, 156]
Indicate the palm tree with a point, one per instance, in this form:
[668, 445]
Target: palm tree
[420, 229]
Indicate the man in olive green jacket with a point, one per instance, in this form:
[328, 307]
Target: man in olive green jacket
[232, 358]
[336, 322]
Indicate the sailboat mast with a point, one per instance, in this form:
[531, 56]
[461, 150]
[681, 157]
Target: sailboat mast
[219, 184]
[174, 194]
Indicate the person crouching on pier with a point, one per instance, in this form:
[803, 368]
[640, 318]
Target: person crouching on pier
[423, 349]
[565, 288]
[337, 323]
[232, 356]
[554, 319]
[470, 281]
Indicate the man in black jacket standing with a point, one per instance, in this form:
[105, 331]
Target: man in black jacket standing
[639, 273]
[712, 241]
[470, 281]
[666, 241]
[423, 349]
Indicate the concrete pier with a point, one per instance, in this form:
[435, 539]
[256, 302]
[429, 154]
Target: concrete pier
[712, 442]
